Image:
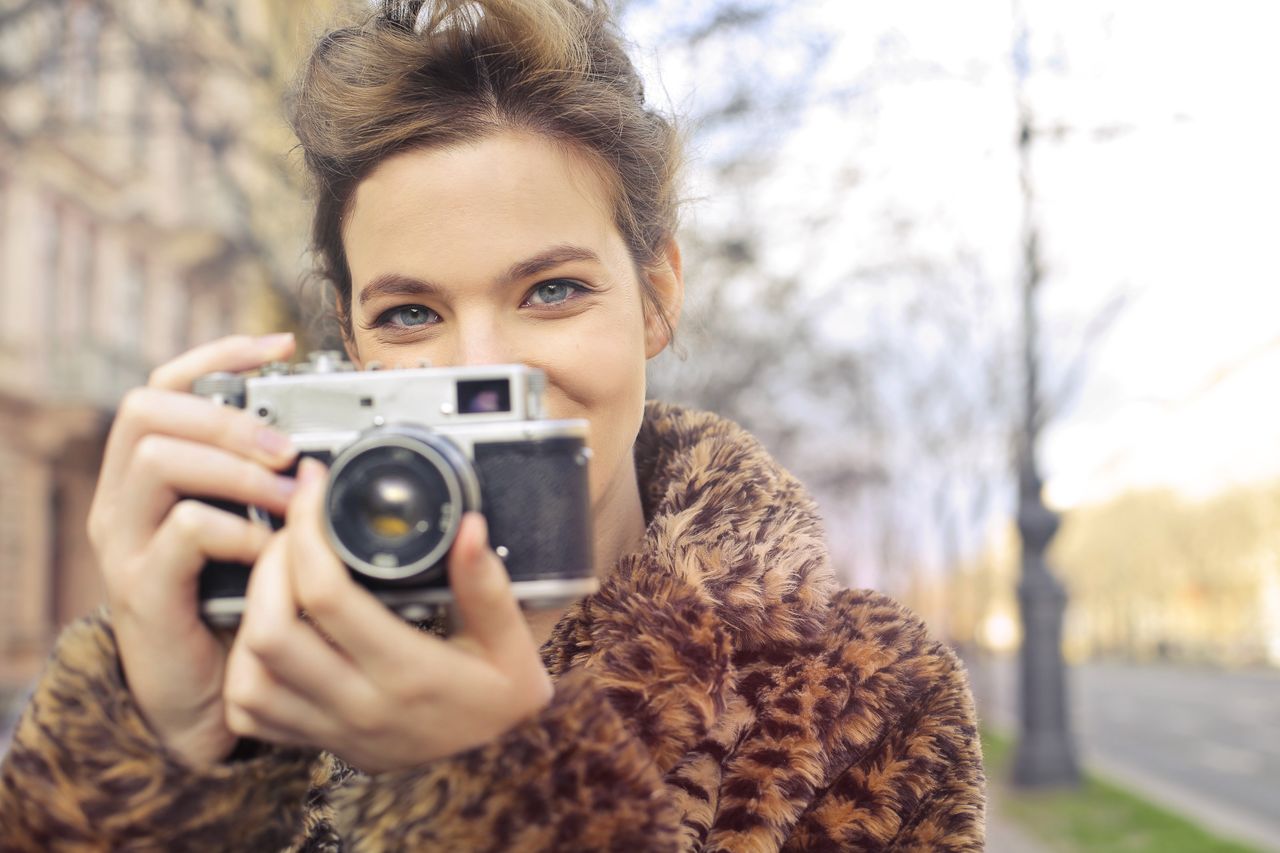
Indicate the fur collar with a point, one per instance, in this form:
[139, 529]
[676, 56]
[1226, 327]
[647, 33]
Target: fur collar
[728, 520]
[733, 564]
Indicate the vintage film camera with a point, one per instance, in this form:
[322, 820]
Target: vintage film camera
[409, 451]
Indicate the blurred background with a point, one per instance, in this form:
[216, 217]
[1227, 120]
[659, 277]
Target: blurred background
[957, 265]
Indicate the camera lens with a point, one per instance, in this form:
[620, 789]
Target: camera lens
[395, 498]
[392, 507]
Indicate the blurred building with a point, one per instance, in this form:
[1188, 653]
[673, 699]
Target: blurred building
[146, 204]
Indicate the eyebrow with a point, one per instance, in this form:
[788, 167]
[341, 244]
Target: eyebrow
[396, 284]
[549, 258]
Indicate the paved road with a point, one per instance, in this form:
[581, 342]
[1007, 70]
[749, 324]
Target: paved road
[1205, 742]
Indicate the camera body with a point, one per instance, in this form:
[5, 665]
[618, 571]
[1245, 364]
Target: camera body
[409, 451]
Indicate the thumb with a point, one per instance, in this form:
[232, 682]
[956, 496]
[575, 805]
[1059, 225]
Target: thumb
[482, 592]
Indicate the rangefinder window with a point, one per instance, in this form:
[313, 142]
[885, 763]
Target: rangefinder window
[483, 396]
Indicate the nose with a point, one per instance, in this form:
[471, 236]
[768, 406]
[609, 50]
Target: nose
[480, 341]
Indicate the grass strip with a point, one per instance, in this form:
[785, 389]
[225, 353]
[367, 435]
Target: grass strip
[1098, 817]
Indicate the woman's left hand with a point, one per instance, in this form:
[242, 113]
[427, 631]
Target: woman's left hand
[357, 680]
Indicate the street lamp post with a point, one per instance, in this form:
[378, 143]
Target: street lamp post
[1044, 754]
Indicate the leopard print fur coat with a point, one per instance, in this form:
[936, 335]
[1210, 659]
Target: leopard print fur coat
[717, 693]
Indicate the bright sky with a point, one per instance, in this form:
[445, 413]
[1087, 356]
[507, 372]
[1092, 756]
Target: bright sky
[1177, 207]
[1182, 211]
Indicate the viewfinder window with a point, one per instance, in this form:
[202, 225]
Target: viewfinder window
[484, 396]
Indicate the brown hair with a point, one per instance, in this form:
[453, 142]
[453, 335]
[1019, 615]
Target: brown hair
[443, 72]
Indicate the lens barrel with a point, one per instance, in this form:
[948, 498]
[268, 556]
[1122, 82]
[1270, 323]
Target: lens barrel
[395, 498]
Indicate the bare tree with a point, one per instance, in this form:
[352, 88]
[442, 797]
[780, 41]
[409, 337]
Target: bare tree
[902, 418]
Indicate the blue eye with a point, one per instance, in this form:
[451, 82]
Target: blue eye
[554, 292]
[408, 316]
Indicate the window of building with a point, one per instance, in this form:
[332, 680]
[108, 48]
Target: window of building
[51, 268]
[11, 556]
[84, 31]
[87, 280]
[73, 273]
[132, 303]
[6, 312]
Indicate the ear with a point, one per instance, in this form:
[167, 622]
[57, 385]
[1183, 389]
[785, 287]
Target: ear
[666, 280]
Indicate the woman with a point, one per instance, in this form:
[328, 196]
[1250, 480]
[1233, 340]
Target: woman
[491, 189]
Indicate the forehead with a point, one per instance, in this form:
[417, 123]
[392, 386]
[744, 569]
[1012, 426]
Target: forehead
[502, 197]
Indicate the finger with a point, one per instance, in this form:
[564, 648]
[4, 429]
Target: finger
[146, 411]
[256, 705]
[379, 643]
[164, 468]
[291, 650]
[488, 608]
[232, 354]
[245, 725]
[192, 534]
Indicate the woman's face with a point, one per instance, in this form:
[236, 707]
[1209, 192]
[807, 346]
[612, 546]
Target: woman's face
[505, 251]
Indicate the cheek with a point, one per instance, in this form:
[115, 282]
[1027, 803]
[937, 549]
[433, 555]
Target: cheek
[599, 382]
[602, 380]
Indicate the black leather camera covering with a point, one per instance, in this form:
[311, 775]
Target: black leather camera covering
[536, 499]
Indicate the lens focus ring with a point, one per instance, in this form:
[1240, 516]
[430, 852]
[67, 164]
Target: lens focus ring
[395, 499]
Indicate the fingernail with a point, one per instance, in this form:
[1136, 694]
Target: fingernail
[272, 344]
[275, 442]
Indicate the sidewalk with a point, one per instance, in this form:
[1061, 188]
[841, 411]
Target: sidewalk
[1006, 837]
[1002, 834]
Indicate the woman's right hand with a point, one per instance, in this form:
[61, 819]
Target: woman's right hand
[152, 538]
